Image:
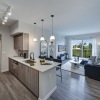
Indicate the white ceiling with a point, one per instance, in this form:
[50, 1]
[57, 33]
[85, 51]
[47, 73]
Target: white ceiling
[71, 16]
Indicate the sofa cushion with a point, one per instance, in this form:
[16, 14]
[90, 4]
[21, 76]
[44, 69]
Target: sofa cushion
[91, 60]
[98, 59]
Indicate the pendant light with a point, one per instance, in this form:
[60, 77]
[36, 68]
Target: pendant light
[42, 38]
[52, 37]
[34, 39]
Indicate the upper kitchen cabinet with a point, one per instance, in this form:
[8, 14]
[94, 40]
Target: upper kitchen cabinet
[21, 41]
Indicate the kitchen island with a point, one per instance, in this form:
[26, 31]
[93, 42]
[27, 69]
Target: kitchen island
[39, 79]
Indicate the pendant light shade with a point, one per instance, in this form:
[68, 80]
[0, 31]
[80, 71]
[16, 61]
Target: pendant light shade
[52, 37]
[42, 37]
[34, 39]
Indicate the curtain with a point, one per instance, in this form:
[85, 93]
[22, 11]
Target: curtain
[94, 47]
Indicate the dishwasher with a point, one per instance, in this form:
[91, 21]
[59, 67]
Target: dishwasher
[15, 67]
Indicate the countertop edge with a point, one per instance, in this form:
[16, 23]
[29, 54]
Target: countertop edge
[22, 59]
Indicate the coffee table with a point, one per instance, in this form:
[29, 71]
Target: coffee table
[75, 63]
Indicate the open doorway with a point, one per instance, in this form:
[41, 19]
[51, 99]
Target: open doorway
[0, 51]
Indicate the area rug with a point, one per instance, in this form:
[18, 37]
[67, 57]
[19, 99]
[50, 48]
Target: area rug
[77, 70]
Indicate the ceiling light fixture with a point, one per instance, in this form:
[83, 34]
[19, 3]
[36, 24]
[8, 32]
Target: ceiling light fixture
[6, 14]
[5, 17]
[34, 39]
[52, 37]
[9, 11]
[42, 38]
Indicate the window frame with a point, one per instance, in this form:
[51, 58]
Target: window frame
[82, 41]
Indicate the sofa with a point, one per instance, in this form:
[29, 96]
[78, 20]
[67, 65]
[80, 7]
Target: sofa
[92, 71]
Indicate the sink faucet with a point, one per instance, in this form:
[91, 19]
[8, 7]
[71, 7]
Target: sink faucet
[33, 56]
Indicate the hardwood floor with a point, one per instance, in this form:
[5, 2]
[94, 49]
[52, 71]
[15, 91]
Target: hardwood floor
[12, 89]
[76, 87]
[73, 87]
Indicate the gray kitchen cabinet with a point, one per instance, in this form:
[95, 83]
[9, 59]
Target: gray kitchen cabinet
[16, 67]
[21, 41]
[27, 75]
[11, 68]
[34, 81]
[21, 73]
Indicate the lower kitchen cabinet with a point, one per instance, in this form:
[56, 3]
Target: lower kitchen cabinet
[11, 68]
[34, 81]
[31, 79]
[21, 73]
[16, 67]
[27, 75]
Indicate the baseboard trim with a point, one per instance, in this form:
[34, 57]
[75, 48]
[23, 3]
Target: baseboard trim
[49, 94]
[4, 70]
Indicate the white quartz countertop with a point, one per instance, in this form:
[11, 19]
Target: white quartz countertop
[37, 65]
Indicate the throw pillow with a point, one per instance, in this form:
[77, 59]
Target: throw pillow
[98, 59]
[90, 62]
[83, 62]
[92, 58]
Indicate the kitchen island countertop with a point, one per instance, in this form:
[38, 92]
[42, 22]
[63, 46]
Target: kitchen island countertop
[37, 65]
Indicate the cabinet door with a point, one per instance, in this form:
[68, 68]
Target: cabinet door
[18, 42]
[15, 66]
[11, 68]
[21, 73]
[25, 41]
[34, 81]
[27, 77]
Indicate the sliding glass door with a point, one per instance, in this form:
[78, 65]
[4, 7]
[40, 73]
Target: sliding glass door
[82, 48]
[77, 48]
[87, 48]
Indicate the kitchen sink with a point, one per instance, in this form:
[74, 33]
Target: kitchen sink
[31, 62]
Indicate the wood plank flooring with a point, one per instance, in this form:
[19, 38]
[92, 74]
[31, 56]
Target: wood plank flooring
[76, 87]
[73, 87]
[12, 89]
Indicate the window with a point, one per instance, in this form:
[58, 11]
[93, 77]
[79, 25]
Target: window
[82, 48]
[87, 48]
[77, 48]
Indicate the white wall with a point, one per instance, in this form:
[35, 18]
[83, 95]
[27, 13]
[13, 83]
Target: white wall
[60, 40]
[7, 47]
[34, 46]
[14, 28]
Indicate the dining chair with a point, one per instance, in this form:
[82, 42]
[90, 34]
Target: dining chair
[58, 67]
